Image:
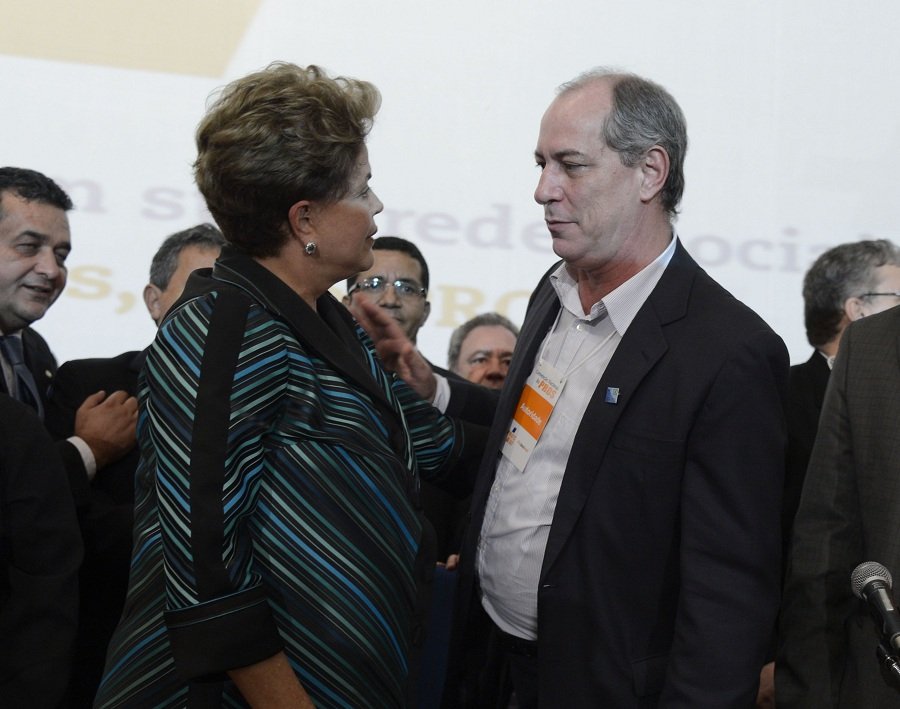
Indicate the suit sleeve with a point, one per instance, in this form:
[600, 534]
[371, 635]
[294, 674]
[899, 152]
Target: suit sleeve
[730, 544]
[40, 552]
[448, 449]
[826, 546]
[212, 398]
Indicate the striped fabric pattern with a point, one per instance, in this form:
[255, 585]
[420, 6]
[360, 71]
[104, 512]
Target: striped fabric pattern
[273, 508]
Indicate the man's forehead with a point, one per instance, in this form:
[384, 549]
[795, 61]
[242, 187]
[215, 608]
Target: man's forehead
[394, 263]
[573, 120]
[492, 335]
[41, 220]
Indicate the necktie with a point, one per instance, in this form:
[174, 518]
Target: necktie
[25, 388]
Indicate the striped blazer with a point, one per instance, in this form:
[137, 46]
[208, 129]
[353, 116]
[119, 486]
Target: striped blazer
[275, 501]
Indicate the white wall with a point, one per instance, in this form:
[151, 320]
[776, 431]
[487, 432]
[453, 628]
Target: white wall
[791, 108]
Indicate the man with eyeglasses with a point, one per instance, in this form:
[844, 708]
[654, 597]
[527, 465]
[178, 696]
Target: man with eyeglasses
[397, 282]
[845, 283]
[849, 512]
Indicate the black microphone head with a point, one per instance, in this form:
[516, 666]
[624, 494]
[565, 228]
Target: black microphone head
[867, 572]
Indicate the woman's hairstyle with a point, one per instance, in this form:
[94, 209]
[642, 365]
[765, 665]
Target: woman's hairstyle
[275, 137]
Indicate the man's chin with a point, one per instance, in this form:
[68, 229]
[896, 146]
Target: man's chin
[32, 313]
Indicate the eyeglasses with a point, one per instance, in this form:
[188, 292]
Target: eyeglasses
[895, 294]
[377, 285]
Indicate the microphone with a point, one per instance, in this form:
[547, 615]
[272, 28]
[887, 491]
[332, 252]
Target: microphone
[872, 583]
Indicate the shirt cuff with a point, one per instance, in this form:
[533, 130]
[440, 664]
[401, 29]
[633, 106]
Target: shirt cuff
[210, 638]
[87, 456]
[441, 393]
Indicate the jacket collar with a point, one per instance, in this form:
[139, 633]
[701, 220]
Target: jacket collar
[330, 332]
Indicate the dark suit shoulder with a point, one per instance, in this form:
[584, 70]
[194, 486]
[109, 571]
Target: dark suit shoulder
[881, 327]
[707, 319]
[123, 367]
[809, 379]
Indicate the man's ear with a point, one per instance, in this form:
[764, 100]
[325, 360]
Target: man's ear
[854, 308]
[300, 218]
[151, 300]
[426, 312]
[654, 171]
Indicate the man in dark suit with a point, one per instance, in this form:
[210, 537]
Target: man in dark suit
[108, 523]
[849, 513]
[40, 550]
[845, 283]
[626, 515]
[34, 244]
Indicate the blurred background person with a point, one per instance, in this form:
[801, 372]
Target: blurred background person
[107, 524]
[397, 282]
[846, 283]
[848, 515]
[277, 533]
[481, 349]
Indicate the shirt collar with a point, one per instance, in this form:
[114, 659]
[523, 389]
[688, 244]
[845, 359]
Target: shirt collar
[622, 304]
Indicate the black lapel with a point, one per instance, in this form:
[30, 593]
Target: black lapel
[343, 352]
[641, 348]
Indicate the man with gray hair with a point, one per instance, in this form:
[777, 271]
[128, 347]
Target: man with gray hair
[481, 349]
[830, 653]
[626, 514]
[846, 283]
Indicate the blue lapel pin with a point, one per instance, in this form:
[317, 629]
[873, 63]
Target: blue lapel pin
[612, 395]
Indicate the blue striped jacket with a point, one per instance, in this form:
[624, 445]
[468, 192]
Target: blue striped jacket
[275, 501]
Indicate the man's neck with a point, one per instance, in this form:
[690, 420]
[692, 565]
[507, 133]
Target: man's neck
[596, 283]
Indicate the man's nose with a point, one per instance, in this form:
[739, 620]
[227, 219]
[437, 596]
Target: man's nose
[389, 297]
[497, 367]
[47, 264]
[547, 189]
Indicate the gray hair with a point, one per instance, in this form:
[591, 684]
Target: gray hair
[462, 332]
[165, 260]
[643, 115]
[842, 272]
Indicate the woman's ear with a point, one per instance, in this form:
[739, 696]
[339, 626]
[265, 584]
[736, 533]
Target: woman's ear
[300, 219]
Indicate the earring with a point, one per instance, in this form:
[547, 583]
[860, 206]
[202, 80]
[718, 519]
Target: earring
[310, 248]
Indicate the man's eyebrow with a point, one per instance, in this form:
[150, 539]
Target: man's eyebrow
[490, 350]
[561, 154]
[43, 238]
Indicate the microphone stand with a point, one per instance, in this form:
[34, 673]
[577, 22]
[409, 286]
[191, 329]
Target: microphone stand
[890, 662]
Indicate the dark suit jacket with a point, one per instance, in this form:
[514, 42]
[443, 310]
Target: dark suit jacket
[40, 550]
[806, 391]
[658, 586]
[106, 524]
[849, 513]
[42, 364]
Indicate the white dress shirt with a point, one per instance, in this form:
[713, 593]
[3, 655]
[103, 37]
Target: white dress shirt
[520, 507]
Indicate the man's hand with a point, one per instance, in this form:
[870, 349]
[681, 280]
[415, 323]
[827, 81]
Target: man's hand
[765, 698]
[107, 424]
[396, 350]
